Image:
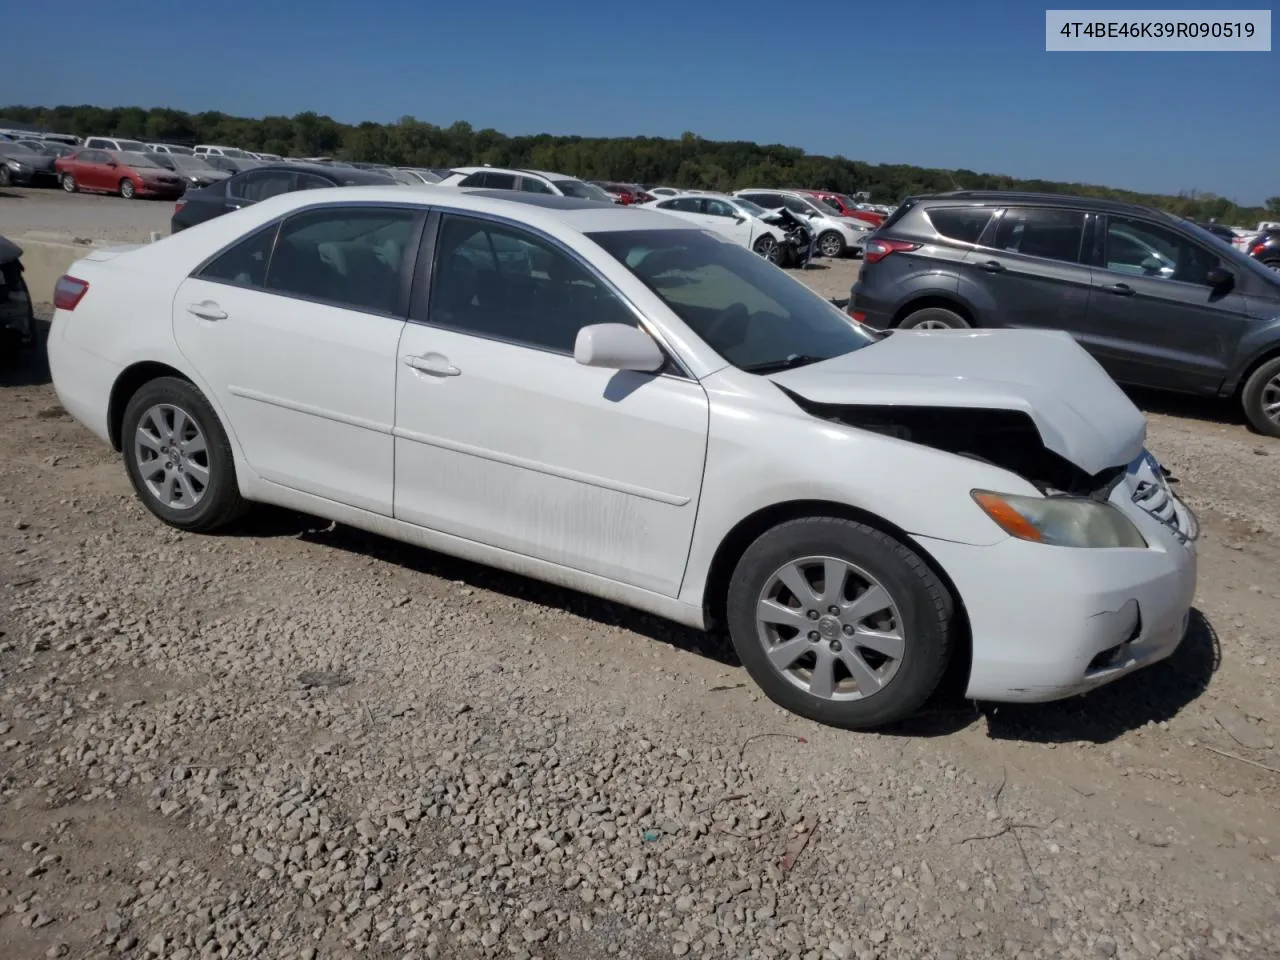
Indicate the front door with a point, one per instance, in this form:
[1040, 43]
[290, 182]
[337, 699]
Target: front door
[503, 439]
[296, 336]
[1029, 261]
[1153, 318]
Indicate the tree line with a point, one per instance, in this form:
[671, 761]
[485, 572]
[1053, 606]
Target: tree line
[689, 161]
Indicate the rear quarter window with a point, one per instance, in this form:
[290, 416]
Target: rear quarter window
[964, 224]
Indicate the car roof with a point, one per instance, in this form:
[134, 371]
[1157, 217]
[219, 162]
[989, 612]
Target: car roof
[322, 169]
[516, 170]
[1069, 200]
[541, 211]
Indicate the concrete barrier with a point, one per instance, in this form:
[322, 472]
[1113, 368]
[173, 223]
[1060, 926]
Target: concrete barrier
[44, 261]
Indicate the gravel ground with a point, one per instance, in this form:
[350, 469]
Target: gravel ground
[301, 741]
[50, 214]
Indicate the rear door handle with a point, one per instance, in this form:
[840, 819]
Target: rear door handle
[207, 310]
[1120, 289]
[435, 364]
[992, 266]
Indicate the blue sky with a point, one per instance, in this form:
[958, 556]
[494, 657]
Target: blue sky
[930, 83]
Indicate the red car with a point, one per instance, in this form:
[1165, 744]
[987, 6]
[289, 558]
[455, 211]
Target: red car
[128, 174]
[624, 193]
[847, 206]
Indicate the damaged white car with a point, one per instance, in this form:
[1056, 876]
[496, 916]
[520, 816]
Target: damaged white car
[649, 413]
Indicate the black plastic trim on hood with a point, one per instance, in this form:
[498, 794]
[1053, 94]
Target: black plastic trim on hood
[1003, 438]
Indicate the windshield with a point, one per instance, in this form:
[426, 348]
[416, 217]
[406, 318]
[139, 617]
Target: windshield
[825, 205]
[183, 151]
[233, 152]
[191, 163]
[583, 191]
[131, 146]
[746, 309]
[132, 159]
[1231, 253]
[752, 208]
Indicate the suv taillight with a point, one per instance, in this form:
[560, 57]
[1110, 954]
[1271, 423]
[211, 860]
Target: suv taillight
[877, 250]
[177, 207]
[68, 292]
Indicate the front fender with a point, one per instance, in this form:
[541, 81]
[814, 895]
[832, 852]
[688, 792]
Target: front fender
[762, 455]
[1261, 339]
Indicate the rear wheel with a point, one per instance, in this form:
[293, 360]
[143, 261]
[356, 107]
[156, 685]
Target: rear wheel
[934, 318]
[6, 177]
[768, 248]
[1261, 398]
[69, 183]
[178, 457]
[839, 622]
[831, 244]
[126, 188]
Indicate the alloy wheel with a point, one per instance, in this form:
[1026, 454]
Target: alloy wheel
[172, 456]
[830, 245]
[830, 628]
[768, 248]
[1271, 399]
[932, 325]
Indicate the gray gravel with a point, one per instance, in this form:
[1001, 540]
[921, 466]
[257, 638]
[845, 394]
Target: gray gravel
[304, 742]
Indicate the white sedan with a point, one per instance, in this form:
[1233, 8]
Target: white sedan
[740, 220]
[610, 400]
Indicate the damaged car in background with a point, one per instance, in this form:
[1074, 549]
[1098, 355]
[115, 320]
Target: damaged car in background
[630, 406]
[17, 316]
[779, 235]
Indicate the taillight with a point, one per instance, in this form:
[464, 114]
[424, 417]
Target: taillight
[177, 207]
[877, 250]
[1257, 249]
[68, 292]
[860, 317]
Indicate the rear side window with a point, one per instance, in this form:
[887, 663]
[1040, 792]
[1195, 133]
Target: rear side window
[244, 264]
[1041, 232]
[353, 257]
[499, 181]
[960, 223]
[534, 185]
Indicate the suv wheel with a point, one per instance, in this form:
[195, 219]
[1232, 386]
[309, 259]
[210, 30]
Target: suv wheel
[1261, 398]
[934, 318]
[839, 622]
[831, 244]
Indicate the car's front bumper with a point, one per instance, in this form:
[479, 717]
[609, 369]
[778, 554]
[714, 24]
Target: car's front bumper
[1051, 622]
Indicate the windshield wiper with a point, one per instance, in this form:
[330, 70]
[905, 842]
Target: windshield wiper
[789, 363]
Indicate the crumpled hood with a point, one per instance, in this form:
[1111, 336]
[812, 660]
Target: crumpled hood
[1077, 408]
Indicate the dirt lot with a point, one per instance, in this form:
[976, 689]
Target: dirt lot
[51, 214]
[301, 741]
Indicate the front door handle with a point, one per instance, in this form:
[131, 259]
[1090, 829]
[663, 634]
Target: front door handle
[1120, 289]
[992, 266]
[206, 310]
[435, 364]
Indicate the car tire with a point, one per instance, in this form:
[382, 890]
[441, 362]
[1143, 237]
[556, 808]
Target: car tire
[197, 489]
[934, 318]
[1272, 262]
[127, 189]
[815, 678]
[69, 183]
[769, 248]
[1262, 392]
[6, 176]
[831, 244]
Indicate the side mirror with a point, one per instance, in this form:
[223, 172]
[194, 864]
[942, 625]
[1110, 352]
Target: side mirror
[111, 162]
[739, 219]
[1219, 277]
[617, 346]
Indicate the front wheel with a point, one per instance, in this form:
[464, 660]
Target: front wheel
[840, 623]
[178, 457]
[1261, 398]
[6, 177]
[127, 189]
[768, 248]
[69, 183]
[831, 244]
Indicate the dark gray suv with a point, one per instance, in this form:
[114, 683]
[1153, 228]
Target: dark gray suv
[1159, 301]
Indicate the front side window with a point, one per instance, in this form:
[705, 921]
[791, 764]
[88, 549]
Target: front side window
[309, 181]
[1041, 232]
[258, 186]
[350, 257]
[500, 181]
[534, 185]
[1143, 249]
[685, 204]
[718, 208]
[796, 205]
[472, 180]
[503, 283]
[244, 264]
[748, 311]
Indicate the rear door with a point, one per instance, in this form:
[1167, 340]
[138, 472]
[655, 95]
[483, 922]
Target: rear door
[1030, 266]
[1153, 318]
[295, 329]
